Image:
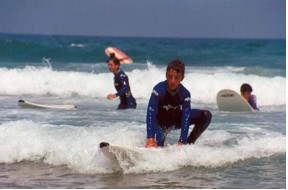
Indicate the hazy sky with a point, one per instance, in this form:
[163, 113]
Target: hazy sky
[149, 18]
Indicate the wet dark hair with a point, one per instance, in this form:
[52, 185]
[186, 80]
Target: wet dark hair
[176, 65]
[114, 59]
[246, 88]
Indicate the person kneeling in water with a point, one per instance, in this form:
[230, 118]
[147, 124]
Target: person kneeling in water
[169, 108]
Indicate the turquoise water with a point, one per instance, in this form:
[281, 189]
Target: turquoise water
[59, 149]
[18, 50]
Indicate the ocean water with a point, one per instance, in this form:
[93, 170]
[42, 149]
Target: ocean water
[47, 148]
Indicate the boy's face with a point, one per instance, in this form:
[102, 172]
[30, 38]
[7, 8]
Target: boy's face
[246, 95]
[173, 79]
[113, 67]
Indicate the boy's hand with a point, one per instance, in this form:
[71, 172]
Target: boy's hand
[111, 96]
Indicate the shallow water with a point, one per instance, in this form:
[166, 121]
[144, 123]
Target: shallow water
[59, 149]
[48, 148]
[265, 173]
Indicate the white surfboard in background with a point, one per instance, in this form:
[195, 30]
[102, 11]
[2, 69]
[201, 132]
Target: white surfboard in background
[26, 104]
[229, 100]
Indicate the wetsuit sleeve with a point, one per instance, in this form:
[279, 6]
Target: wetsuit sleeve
[124, 85]
[151, 113]
[186, 112]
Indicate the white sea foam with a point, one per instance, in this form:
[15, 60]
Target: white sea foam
[202, 85]
[77, 45]
[77, 147]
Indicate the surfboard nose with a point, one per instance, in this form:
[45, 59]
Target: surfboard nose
[103, 144]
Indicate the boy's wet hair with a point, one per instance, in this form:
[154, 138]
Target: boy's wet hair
[246, 88]
[114, 59]
[176, 65]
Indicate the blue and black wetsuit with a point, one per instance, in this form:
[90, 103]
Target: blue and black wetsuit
[122, 86]
[171, 110]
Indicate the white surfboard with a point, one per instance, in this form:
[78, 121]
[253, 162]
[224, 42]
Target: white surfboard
[26, 104]
[229, 100]
[116, 151]
[126, 157]
[105, 148]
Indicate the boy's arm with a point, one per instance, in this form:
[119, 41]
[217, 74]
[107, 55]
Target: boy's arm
[151, 113]
[124, 88]
[185, 120]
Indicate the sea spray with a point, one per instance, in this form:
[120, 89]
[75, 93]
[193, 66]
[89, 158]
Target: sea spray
[202, 85]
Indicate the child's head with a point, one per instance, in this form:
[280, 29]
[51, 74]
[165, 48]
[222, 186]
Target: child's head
[113, 63]
[176, 65]
[246, 90]
[175, 73]
[114, 59]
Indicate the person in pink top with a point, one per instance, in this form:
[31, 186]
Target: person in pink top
[246, 90]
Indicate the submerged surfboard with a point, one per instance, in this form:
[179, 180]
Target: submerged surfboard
[125, 157]
[26, 104]
[105, 148]
[229, 100]
[124, 59]
[115, 151]
[128, 158]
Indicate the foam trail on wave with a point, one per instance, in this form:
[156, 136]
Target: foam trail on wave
[78, 147]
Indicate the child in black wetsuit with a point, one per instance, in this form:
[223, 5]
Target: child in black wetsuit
[121, 83]
[169, 108]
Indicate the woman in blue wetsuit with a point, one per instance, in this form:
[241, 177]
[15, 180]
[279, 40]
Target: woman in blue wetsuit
[121, 84]
[169, 108]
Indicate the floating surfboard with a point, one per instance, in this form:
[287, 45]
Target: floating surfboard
[124, 59]
[26, 104]
[229, 100]
[105, 148]
[115, 151]
[126, 157]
